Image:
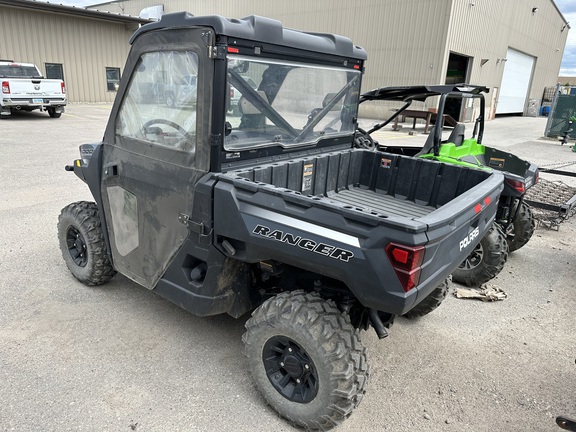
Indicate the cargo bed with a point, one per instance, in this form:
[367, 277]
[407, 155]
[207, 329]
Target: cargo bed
[387, 187]
[384, 204]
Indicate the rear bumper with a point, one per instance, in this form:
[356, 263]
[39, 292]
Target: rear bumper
[35, 102]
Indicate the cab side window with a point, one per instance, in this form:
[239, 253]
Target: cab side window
[159, 106]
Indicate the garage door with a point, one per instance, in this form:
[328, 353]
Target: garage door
[515, 82]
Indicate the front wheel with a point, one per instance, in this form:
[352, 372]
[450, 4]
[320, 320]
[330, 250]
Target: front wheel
[307, 359]
[486, 260]
[82, 243]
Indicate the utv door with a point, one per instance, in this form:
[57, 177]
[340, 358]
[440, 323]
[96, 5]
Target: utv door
[153, 152]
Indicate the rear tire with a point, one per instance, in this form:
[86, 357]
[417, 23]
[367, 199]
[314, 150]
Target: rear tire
[523, 228]
[52, 113]
[170, 100]
[82, 243]
[434, 299]
[486, 260]
[307, 359]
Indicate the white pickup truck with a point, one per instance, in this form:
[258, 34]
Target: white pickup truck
[24, 88]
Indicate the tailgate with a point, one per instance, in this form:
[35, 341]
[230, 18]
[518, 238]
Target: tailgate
[455, 229]
[35, 87]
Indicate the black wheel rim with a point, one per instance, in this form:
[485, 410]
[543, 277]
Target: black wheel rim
[474, 259]
[290, 369]
[76, 247]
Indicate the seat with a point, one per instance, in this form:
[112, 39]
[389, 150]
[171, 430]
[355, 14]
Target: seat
[457, 135]
[429, 144]
[251, 118]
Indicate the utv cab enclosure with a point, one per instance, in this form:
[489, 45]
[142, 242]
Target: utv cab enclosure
[269, 207]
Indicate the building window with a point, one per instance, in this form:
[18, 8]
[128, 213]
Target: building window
[112, 78]
[54, 71]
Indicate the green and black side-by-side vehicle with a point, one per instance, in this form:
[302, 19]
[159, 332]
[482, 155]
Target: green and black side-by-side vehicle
[514, 220]
[270, 208]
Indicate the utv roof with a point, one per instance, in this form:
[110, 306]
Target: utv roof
[257, 28]
[421, 92]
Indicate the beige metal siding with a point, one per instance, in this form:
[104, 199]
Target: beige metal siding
[485, 29]
[409, 41]
[405, 39]
[84, 47]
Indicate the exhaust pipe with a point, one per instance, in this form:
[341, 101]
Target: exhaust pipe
[377, 324]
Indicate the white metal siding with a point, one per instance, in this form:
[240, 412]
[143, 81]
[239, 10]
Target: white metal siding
[515, 82]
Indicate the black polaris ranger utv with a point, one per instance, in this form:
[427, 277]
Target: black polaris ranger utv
[269, 207]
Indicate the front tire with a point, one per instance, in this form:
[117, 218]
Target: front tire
[307, 359]
[82, 243]
[486, 260]
[523, 228]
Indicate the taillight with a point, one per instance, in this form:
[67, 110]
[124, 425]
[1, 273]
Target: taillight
[5, 87]
[517, 184]
[63, 87]
[406, 261]
[537, 177]
[231, 92]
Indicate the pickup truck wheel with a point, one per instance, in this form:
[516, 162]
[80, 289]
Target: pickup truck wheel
[52, 113]
[170, 100]
[486, 260]
[523, 228]
[82, 243]
[307, 359]
[434, 299]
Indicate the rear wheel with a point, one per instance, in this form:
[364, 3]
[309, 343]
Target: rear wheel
[523, 228]
[82, 243]
[170, 100]
[486, 260]
[307, 359]
[52, 113]
[434, 299]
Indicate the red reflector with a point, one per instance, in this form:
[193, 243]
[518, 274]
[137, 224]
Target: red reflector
[408, 280]
[5, 87]
[233, 50]
[400, 256]
[356, 66]
[406, 261]
[487, 200]
[517, 184]
[478, 208]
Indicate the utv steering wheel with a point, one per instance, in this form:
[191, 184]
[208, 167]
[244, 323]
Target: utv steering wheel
[147, 130]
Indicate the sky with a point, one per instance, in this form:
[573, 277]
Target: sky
[567, 7]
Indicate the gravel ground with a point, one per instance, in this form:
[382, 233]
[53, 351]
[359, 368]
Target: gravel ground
[120, 358]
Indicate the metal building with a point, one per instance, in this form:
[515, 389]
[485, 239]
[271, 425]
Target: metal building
[515, 47]
[85, 48]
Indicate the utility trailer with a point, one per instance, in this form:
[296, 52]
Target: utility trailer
[552, 201]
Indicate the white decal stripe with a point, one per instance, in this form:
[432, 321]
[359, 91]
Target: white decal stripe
[311, 228]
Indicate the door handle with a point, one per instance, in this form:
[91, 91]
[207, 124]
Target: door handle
[111, 171]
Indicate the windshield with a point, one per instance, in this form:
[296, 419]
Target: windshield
[18, 71]
[287, 103]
